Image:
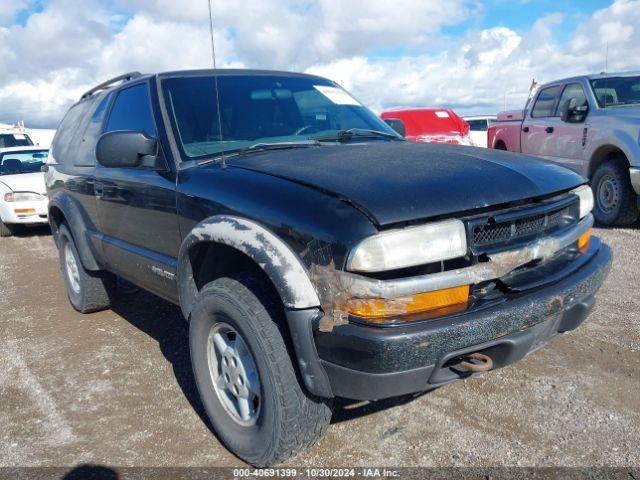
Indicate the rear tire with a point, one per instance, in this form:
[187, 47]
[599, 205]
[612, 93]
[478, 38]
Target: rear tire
[6, 230]
[615, 201]
[282, 418]
[87, 291]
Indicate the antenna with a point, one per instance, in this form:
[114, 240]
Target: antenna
[215, 76]
[606, 57]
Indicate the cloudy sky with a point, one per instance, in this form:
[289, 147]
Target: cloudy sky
[474, 56]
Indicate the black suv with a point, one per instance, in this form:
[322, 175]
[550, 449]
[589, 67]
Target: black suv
[314, 251]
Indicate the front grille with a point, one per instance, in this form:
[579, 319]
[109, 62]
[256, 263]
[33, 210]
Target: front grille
[488, 234]
[523, 224]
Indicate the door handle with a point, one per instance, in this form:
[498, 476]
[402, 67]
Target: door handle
[525, 129]
[549, 129]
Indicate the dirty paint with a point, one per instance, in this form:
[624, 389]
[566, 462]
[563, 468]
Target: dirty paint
[279, 262]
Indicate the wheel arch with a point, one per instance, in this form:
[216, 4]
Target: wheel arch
[604, 153]
[500, 145]
[235, 241]
[62, 210]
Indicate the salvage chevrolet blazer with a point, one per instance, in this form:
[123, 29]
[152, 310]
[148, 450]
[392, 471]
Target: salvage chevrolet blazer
[312, 250]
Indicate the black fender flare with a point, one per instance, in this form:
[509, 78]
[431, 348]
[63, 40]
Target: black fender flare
[78, 223]
[287, 273]
[281, 264]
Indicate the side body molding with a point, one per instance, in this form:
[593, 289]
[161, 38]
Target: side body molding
[275, 257]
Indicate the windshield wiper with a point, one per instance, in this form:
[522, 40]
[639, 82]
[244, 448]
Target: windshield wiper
[259, 147]
[277, 146]
[346, 135]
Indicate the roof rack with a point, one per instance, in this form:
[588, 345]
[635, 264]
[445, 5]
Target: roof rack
[124, 78]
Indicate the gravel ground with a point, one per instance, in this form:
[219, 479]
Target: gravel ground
[115, 388]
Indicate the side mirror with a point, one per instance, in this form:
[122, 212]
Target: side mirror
[127, 149]
[573, 114]
[397, 125]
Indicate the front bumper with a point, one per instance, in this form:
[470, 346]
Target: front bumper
[369, 363]
[634, 174]
[9, 215]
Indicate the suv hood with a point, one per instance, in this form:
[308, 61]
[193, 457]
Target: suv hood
[25, 182]
[396, 182]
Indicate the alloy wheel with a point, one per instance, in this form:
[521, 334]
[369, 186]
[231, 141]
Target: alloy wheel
[234, 374]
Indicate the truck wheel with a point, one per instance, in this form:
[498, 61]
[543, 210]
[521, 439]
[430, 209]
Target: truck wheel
[243, 370]
[615, 201]
[87, 291]
[6, 230]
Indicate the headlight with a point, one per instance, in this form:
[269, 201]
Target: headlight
[410, 246]
[23, 197]
[586, 199]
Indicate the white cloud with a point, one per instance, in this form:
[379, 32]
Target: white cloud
[70, 46]
[9, 9]
[489, 66]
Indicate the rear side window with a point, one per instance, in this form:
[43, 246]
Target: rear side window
[132, 111]
[546, 102]
[63, 147]
[85, 155]
[572, 91]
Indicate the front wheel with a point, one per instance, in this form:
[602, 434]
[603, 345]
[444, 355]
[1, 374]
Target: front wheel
[245, 376]
[615, 201]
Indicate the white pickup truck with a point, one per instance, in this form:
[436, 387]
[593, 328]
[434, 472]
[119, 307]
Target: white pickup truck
[590, 124]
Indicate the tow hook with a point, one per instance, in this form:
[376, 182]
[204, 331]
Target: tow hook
[476, 362]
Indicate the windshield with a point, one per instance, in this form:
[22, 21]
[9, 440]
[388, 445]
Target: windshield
[15, 140]
[616, 91]
[260, 109]
[13, 163]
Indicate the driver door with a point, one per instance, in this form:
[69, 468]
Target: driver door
[538, 127]
[570, 138]
[137, 206]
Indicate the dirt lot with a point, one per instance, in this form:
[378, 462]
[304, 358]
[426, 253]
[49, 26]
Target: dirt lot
[115, 388]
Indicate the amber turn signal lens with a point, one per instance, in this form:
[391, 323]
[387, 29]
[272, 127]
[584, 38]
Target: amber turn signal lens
[23, 211]
[420, 302]
[583, 241]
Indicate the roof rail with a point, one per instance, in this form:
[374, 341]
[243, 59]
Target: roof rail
[124, 78]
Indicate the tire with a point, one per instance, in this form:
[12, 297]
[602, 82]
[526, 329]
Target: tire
[6, 230]
[615, 201]
[87, 291]
[283, 418]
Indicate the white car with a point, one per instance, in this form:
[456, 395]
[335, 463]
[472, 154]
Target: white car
[23, 198]
[479, 125]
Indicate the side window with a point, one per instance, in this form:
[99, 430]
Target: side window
[573, 90]
[546, 102]
[62, 146]
[132, 111]
[85, 155]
